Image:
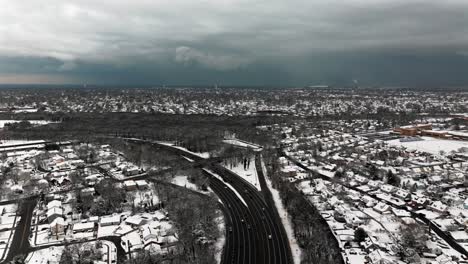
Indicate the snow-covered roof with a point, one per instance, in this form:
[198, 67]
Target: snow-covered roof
[83, 226]
[54, 203]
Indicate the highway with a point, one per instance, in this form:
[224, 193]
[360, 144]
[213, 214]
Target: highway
[257, 236]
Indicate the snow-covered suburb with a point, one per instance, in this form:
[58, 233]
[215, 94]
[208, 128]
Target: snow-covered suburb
[285, 219]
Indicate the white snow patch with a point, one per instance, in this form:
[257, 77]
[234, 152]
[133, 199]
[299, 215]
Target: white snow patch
[204, 155]
[241, 143]
[219, 244]
[184, 182]
[7, 143]
[249, 174]
[45, 256]
[431, 145]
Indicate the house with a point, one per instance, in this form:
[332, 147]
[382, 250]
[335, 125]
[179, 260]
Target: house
[353, 220]
[387, 188]
[360, 179]
[402, 194]
[91, 179]
[438, 206]
[412, 130]
[158, 215]
[88, 191]
[460, 236]
[369, 201]
[131, 171]
[57, 227]
[83, 227]
[149, 232]
[401, 213]
[110, 220]
[54, 204]
[130, 185]
[54, 213]
[135, 220]
[288, 171]
[374, 185]
[94, 219]
[381, 207]
[142, 184]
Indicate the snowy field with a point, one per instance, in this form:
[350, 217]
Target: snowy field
[431, 145]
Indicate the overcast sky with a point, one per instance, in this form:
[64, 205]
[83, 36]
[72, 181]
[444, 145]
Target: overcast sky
[237, 42]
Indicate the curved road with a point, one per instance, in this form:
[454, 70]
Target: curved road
[254, 232]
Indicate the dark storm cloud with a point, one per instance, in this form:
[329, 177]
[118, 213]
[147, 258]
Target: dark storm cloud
[236, 41]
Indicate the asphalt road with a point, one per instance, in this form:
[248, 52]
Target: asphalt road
[257, 235]
[271, 240]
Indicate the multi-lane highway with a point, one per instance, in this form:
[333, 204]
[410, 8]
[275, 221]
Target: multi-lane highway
[254, 232]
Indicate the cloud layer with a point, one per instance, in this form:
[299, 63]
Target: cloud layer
[212, 36]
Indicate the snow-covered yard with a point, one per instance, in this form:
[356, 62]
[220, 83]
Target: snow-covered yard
[45, 256]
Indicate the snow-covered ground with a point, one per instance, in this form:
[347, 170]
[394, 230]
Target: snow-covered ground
[249, 174]
[431, 145]
[285, 219]
[45, 256]
[204, 155]
[219, 244]
[242, 144]
[5, 143]
[184, 182]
